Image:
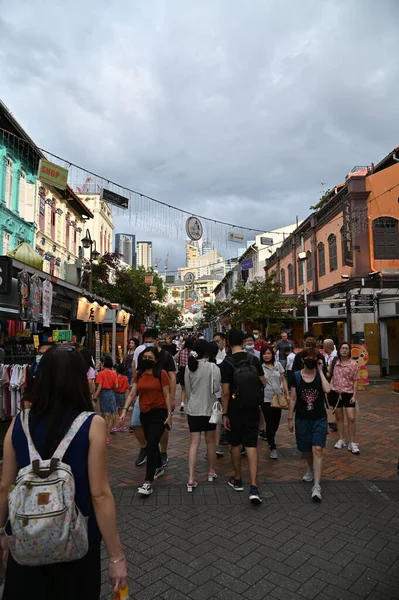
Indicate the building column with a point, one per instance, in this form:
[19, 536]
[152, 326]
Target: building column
[3, 153]
[15, 191]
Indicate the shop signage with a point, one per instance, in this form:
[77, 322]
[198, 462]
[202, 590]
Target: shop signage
[265, 241]
[362, 297]
[123, 317]
[342, 311]
[347, 243]
[62, 335]
[153, 289]
[52, 174]
[247, 264]
[113, 198]
[5, 274]
[194, 229]
[175, 294]
[47, 302]
[189, 278]
[90, 312]
[235, 237]
[148, 279]
[169, 279]
[98, 349]
[362, 309]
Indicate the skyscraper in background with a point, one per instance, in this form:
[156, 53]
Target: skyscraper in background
[125, 243]
[144, 254]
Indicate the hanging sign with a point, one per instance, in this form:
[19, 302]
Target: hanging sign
[98, 349]
[235, 237]
[189, 278]
[123, 317]
[347, 258]
[90, 313]
[62, 335]
[23, 288]
[175, 294]
[153, 289]
[36, 342]
[148, 279]
[47, 302]
[52, 174]
[113, 198]
[265, 241]
[247, 264]
[194, 228]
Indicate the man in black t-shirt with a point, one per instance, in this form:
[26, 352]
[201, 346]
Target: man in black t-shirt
[284, 348]
[241, 424]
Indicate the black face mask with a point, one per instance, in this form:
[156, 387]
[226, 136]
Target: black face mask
[147, 363]
[310, 363]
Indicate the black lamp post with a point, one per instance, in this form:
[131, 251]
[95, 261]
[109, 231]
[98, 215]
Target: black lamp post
[88, 242]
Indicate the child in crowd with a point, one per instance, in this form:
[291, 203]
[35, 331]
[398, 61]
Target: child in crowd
[122, 387]
[107, 382]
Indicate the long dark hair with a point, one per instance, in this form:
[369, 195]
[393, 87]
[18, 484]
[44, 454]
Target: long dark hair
[339, 349]
[189, 343]
[156, 370]
[213, 350]
[264, 350]
[59, 394]
[202, 349]
[87, 357]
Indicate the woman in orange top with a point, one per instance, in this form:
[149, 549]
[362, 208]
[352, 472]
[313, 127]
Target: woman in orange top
[123, 386]
[152, 385]
[107, 382]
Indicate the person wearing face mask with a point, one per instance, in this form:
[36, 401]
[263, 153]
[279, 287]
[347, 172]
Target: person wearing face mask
[259, 343]
[310, 342]
[220, 339]
[152, 384]
[308, 390]
[249, 345]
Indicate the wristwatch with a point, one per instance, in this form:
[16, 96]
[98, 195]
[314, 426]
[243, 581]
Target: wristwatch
[171, 413]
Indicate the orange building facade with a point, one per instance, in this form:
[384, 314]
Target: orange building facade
[352, 264]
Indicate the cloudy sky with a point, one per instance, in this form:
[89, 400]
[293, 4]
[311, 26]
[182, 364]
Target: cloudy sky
[236, 110]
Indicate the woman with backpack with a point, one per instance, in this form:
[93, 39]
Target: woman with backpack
[43, 566]
[276, 383]
[308, 390]
[152, 385]
[344, 375]
[202, 381]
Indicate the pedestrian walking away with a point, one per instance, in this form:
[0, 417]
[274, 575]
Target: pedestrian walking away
[60, 423]
[309, 387]
[182, 361]
[107, 382]
[330, 353]
[276, 383]
[344, 375]
[202, 381]
[120, 396]
[242, 380]
[220, 339]
[152, 384]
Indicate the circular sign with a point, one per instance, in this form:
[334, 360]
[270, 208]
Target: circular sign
[194, 229]
[189, 278]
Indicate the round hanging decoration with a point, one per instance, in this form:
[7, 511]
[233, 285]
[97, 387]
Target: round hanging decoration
[189, 278]
[194, 228]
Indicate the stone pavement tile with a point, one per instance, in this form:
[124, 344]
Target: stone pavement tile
[388, 590]
[151, 592]
[210, 573]
[285, 582]
[182, 584]
[297, 559]
[259, 591]
[304, 573]
[208, 590]
[311, 588]
[172, 594]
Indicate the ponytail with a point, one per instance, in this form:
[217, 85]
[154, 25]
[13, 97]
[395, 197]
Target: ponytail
[200, 350]
[192, 364]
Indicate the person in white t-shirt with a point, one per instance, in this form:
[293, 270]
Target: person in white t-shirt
[221, 341]
[330, 352]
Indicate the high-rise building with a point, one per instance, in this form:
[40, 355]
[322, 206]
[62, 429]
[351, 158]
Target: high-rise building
[206, 247]
[125, 243]
[144, 255]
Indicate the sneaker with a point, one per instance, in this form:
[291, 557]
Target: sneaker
[192, 486]
[316, 493]
[158, 473]
[274, 454]
[131, 428]
[219, 452]
[308, 477]
[181, 407]
[333, 426]
[254, 495]
[354, 448]
[142, 457]
[212, 478]
[236, 484]
[262, 434]
[145, 489]
[164, 459]
[340, 444]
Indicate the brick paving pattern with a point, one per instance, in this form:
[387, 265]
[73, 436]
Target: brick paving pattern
[214, 544]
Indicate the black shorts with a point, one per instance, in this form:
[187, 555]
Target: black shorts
[198, 424]
[244, 426]
[180, 376]
[344, 401]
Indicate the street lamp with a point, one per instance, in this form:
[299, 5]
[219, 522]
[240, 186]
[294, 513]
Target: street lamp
[87, 242]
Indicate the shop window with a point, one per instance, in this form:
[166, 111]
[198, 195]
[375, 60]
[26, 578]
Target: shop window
[321, 259]
[309, 266]
[290, 277]
[6, 242]
[52, 267]
[300, 272]
[282, 280]
[332, 251]
[9, 181]
[386, 238]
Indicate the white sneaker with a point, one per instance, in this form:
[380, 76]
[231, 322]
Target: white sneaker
[316, 493]
[273, 454]
[340, 444]
[145, 489]
[354, 448]
[308, 477]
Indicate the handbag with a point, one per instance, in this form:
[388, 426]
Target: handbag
[216, 413]
[278, 400]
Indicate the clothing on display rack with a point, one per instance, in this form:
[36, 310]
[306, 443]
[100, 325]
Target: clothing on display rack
[13, 381]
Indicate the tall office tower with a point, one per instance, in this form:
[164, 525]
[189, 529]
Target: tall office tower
[125, 243]
[144, 254]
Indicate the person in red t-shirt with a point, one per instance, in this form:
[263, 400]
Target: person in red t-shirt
[258, 339]
[107, 381]
[120, 396]
[152, 385]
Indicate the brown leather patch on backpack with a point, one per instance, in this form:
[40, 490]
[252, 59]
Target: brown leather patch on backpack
[43, 499]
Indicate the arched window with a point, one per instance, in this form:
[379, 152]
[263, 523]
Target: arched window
[290, 277]
[300, 272]
[386, 238]
[332, 250]
[9, 182]
[309, 265]
[282, 280]
[322, 259]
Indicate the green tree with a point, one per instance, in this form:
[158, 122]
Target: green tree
[261, 302]
[169, 317]
[127, 286]
[210, 312]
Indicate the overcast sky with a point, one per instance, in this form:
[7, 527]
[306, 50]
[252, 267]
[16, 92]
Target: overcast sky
[237, 110]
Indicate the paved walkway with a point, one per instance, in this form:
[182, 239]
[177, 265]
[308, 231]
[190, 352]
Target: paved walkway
[214, 544]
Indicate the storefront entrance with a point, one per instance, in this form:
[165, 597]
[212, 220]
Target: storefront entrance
[393, 345]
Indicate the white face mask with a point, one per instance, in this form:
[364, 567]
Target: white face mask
[256, 336]
[249, 346]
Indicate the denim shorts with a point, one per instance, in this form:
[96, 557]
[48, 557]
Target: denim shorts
[309, 433]
[135, 422]
[120, 400]
[107, 402]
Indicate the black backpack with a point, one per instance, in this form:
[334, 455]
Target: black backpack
[247, 387]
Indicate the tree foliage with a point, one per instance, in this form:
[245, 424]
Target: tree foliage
[168, 317]
[210, 312]
[127, 286]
